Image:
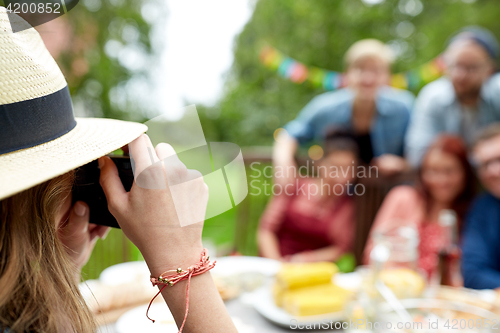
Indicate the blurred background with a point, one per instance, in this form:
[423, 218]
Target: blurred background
[136, 59]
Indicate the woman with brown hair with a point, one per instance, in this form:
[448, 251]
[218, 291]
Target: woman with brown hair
[314, 220]
[445, 181]
[45, 239]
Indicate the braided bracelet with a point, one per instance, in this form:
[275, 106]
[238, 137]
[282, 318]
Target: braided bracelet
[179, 275]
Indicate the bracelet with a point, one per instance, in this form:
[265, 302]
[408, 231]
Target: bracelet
[179, 275]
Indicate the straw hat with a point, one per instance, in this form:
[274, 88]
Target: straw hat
[39, 136]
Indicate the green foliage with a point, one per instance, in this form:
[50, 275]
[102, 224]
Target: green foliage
[97, 79]
[257, 100]
[114, 250]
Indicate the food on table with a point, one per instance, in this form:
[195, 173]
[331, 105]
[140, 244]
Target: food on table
[250, 281]
[227, 286]
[307, 289]
[404, 282]
[462, 295]
[293, 276]
[315, 300]
[231, 286]
[101, 297]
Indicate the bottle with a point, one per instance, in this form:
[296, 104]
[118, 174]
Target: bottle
[450, 253]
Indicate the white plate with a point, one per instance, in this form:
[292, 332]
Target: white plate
[350, 281]
[127, 272]
[263, 303]
[135, 320]
[227, 266]
[138, 270]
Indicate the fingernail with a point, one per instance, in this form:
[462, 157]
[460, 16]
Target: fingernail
[105, 234]
[80, 209]
[100, 161]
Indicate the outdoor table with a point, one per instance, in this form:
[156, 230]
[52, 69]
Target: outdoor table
[240, 308]
[245, 313]
[237, 308]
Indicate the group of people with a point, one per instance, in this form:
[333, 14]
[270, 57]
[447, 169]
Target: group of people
[449, 135]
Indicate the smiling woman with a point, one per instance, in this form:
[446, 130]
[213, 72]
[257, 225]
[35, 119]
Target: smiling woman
[446, 182]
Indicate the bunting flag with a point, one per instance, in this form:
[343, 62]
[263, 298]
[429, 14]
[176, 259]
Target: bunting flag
[299, 73]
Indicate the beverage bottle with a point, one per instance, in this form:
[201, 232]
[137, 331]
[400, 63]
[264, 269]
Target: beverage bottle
[450, 254]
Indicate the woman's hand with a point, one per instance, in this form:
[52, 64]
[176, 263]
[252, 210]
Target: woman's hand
[328, 253]
[149, 215]
[153, 215]
[389, 164]
[78, 235]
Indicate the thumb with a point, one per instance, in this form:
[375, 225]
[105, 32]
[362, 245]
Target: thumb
[111, 183]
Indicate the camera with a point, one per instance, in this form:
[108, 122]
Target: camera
[87, 188]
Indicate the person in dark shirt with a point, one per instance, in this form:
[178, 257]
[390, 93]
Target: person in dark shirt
[481, 245]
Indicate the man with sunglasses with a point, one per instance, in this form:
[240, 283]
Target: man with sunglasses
[481, 237]
[464, 101]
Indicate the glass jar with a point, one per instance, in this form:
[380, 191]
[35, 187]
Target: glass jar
[402, 245]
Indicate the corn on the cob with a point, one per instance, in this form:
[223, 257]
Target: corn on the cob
[292, 276]
[315, 300]
[307, 289]
[278, 293]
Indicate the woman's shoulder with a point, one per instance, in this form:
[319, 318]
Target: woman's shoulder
[403, 205]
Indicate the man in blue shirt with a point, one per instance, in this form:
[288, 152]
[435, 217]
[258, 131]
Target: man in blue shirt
[481, 237]
[374, 113]
[464, 101]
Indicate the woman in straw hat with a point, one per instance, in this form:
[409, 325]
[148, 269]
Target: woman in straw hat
[44, 239]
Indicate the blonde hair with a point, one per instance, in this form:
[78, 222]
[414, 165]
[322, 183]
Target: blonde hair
[368, 48]
[39, 290]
